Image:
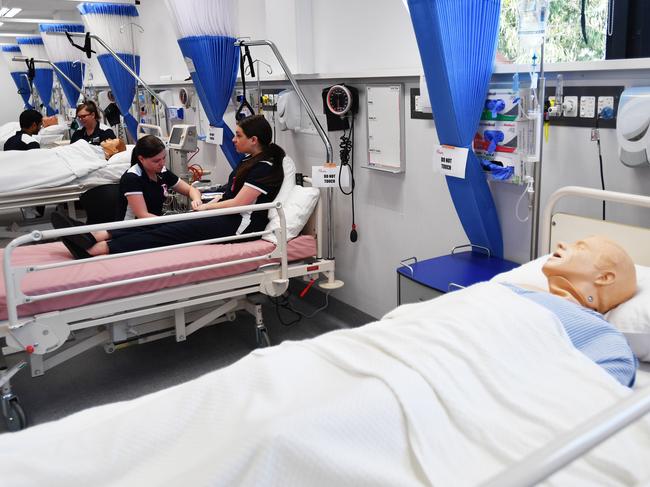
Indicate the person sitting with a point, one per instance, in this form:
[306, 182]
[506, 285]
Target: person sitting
[91, 131]
[586, 279]
[256, 180]
[31, 122]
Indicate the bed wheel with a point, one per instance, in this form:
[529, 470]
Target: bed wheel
[15, 418]
[263, 339]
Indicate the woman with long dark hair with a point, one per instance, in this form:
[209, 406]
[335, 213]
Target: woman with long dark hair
[256, 180]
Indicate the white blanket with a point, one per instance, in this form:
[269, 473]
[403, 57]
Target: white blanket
[47, 168]
[446, 393]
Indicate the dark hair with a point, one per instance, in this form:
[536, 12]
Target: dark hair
[30, 117]
[147, 146]
[258, 126]
[89, 106]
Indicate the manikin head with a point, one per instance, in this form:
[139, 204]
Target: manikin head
[596, 272]
[112, 147]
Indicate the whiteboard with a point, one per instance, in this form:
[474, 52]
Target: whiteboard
[385, 124]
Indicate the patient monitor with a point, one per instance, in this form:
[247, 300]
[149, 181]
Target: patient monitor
[182, 140]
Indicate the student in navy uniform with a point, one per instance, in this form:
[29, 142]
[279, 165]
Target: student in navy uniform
[257, 179]
[31, 122]
[91, 131]
[146, 183]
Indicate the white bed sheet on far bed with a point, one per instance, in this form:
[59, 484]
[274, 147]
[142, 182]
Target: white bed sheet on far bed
[79, 163]
[447, 392]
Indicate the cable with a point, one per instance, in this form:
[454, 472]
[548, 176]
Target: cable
[346, 147]
[608, 113]
[528, 190]
[283, 302]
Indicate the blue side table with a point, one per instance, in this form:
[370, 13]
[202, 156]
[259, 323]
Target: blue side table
[427, 279]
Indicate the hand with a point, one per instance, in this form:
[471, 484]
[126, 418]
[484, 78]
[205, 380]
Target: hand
[196, 204]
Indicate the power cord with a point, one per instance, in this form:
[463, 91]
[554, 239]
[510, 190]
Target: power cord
[283, 302]
[346, 152]
[606, 114]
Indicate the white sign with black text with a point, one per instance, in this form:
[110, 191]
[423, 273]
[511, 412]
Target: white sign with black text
[324, 176]
[450, 161]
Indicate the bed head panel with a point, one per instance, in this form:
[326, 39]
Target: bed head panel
[569, 228]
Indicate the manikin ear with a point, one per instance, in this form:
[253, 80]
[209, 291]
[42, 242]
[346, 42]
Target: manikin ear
[605, 278]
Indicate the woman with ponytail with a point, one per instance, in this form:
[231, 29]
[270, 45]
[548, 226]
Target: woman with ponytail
[146, 183]
[256, 180]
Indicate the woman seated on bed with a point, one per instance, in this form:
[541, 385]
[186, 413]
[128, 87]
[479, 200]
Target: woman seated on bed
[256, 180]
[587, 278]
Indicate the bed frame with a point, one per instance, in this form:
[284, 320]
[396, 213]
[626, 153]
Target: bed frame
[176, 312]
[565, 227]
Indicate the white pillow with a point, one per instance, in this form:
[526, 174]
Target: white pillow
[123, 157]
[297, 209]
[632, 317]
[288, 183]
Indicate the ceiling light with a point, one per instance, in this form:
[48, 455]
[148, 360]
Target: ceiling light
[13, 12]
[3, 11]
[13, 34]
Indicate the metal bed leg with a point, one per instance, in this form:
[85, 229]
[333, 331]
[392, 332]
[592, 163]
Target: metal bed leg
[72, 211]
[179, 324]
[261, 332]
[12, 411]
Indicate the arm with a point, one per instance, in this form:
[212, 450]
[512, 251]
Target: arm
[138, 206]
[75, 136]
[33, 145]
[190, 191]
[246, 196]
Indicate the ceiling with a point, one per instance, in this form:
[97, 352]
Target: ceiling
[38, 9]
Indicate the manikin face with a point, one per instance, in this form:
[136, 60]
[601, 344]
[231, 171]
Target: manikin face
[577, 258]
[153, 164]
[245, 144]
[594, 271]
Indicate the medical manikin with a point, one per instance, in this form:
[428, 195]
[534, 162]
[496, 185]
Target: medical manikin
[594, 272]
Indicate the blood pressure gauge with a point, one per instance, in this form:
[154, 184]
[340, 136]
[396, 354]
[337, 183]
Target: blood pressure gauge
[339, 100]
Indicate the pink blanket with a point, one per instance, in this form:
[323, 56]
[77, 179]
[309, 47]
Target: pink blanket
[90, 273]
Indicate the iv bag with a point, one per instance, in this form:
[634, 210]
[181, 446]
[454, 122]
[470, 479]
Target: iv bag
[532, 21]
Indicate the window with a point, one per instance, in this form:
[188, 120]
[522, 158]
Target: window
[564, 39]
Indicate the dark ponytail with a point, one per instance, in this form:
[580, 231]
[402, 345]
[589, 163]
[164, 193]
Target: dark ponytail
[258, 126]
[147, 146]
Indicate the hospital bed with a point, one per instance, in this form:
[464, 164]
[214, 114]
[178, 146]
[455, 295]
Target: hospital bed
[452, 391]
[56, 176]
[55, 308]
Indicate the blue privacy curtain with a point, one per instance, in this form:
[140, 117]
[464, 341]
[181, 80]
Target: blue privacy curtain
[110, 22]
[18, 72]
[32, 47]
[65, 57]
[457, 41]
[213, 63]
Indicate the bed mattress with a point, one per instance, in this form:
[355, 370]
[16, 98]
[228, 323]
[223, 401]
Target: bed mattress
[91, 273]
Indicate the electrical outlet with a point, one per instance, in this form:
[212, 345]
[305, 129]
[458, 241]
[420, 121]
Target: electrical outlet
[587, 106]
[605, 101]
[570, 106]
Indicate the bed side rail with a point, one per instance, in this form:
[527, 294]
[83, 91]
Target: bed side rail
[314, 225]
[13, 274]
[568, 447]
[597, 194]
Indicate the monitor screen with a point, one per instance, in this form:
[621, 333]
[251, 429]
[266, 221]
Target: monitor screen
[175, 137]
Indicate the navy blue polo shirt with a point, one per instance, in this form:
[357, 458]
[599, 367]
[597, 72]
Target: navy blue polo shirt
[21, 141]
[136, 181]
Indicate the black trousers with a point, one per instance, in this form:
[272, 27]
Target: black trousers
[139, 238]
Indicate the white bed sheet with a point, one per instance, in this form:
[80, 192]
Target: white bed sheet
[642, 376]
[447, 392]
[47, 168]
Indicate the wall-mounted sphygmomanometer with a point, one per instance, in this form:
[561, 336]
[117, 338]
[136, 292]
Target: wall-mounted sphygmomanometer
[339, 102]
